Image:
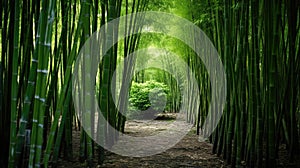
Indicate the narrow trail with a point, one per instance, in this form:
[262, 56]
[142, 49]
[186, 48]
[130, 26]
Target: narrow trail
[189, 152]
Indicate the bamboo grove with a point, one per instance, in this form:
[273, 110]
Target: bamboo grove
[40, 42]
[258, 43]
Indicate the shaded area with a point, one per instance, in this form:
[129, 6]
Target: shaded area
[188, 153]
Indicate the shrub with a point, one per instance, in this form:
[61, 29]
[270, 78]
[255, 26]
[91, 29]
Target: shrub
[149, 97]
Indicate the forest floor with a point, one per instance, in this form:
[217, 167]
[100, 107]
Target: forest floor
[188, 153]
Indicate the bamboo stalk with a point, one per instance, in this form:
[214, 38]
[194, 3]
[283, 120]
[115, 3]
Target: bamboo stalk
[14, 88]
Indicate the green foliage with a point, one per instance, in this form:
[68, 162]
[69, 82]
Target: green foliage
[150, 94]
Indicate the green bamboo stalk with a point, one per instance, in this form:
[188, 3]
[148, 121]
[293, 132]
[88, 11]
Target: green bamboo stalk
[87, 62]
[14, 88]
[269, 64]
[64, 29]
[5, 119]
[62, 126]
[101, 125]
[68, 126]
[292, 34]
[41, 87]
[26, 107]
[41, 36]
[82, 151]
[63, 92]
[254, 70]
[242, 75]
[28, 95]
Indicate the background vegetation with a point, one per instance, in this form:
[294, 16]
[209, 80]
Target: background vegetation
[144, 95]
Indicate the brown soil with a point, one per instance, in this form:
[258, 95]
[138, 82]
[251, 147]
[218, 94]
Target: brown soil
[188, 153]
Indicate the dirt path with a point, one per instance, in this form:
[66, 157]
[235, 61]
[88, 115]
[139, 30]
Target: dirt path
[188, 153]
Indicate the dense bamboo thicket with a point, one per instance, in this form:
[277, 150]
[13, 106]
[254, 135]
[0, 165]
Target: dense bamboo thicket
[40, 41]
[258, 43]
